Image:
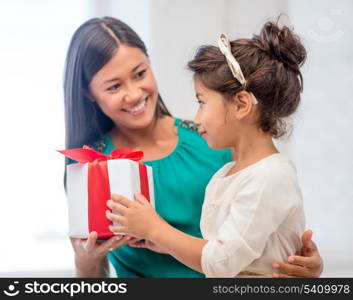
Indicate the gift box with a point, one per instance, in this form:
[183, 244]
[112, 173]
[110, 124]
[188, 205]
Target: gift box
[90, 183]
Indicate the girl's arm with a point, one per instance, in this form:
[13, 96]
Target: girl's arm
[185, 248]
[140, 220]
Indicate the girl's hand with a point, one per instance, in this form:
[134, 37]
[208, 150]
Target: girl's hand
[137, 218]
[148, 245]
[90, 255]
[309, 264]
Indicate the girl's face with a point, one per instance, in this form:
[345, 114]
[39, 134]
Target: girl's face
[214, 115]
[125, 89]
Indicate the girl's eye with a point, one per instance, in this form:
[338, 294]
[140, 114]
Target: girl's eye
[114, 87]
[201, 103]
[140, 74]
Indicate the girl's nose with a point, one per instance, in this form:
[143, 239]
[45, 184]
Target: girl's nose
[197, 117]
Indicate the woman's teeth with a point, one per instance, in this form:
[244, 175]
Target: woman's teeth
[138, 108]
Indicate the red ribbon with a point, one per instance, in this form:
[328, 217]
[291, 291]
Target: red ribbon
[98, 183]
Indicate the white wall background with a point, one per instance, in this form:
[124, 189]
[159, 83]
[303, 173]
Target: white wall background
[35, 37]
[322, 143]
[33, 218]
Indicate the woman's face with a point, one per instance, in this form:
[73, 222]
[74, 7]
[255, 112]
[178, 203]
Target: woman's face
[125, 89]
[217, 124]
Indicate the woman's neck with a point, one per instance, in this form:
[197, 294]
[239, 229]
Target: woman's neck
[160, 129]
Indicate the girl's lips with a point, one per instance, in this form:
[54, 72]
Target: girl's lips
[202, 133]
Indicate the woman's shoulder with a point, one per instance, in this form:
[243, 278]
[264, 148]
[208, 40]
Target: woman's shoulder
[188, 133]
[187, 124]
[100, 144]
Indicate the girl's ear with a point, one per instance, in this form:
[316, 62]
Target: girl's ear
[242, 104]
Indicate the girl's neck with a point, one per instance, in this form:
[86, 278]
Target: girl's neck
[161, 128]
[251, 148]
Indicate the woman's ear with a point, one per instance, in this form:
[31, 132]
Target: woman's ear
[89, 96]
[243, 104]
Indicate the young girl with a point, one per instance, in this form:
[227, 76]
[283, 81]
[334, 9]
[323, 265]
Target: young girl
[253, 210]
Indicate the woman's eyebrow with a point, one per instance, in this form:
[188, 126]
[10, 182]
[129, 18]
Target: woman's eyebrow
[110, 80]
[134, 69]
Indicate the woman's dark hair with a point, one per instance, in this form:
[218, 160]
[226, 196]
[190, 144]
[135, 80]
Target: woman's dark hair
[270, 63]
[93, 44]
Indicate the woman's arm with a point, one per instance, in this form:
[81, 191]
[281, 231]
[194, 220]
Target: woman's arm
[140, 220]
[90, 257]
[309, 264]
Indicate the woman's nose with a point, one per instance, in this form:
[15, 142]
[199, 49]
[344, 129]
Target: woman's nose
[133, 93]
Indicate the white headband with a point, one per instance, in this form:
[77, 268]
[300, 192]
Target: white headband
[224, 46]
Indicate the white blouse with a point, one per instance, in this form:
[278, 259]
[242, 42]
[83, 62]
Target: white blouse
[251, 218]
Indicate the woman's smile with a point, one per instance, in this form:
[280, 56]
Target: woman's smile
[137, 109]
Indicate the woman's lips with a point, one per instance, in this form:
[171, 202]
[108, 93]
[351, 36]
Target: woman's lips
[137, 109]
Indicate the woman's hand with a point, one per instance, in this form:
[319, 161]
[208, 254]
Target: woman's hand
[137, 218]
[148, 245]
[90, 256]
[309, 264]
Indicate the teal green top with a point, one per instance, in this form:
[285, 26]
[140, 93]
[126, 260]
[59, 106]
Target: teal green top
[180, 180]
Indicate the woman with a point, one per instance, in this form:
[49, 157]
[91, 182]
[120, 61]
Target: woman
[112, 101]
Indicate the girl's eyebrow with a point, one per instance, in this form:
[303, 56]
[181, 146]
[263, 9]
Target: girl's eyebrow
[198, 95]
[117, 78]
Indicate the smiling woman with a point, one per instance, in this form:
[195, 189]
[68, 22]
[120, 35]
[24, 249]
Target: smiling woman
[125, 89]
[103, 84]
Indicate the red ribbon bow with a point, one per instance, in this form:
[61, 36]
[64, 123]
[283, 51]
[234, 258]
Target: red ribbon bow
[98, 182]
[87, 154]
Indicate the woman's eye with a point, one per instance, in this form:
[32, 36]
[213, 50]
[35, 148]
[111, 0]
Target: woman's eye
[114, 87]
[140, 74]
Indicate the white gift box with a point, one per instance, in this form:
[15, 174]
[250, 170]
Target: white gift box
[124, 179]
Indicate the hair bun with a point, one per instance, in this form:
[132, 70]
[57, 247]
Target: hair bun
[281, 44]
